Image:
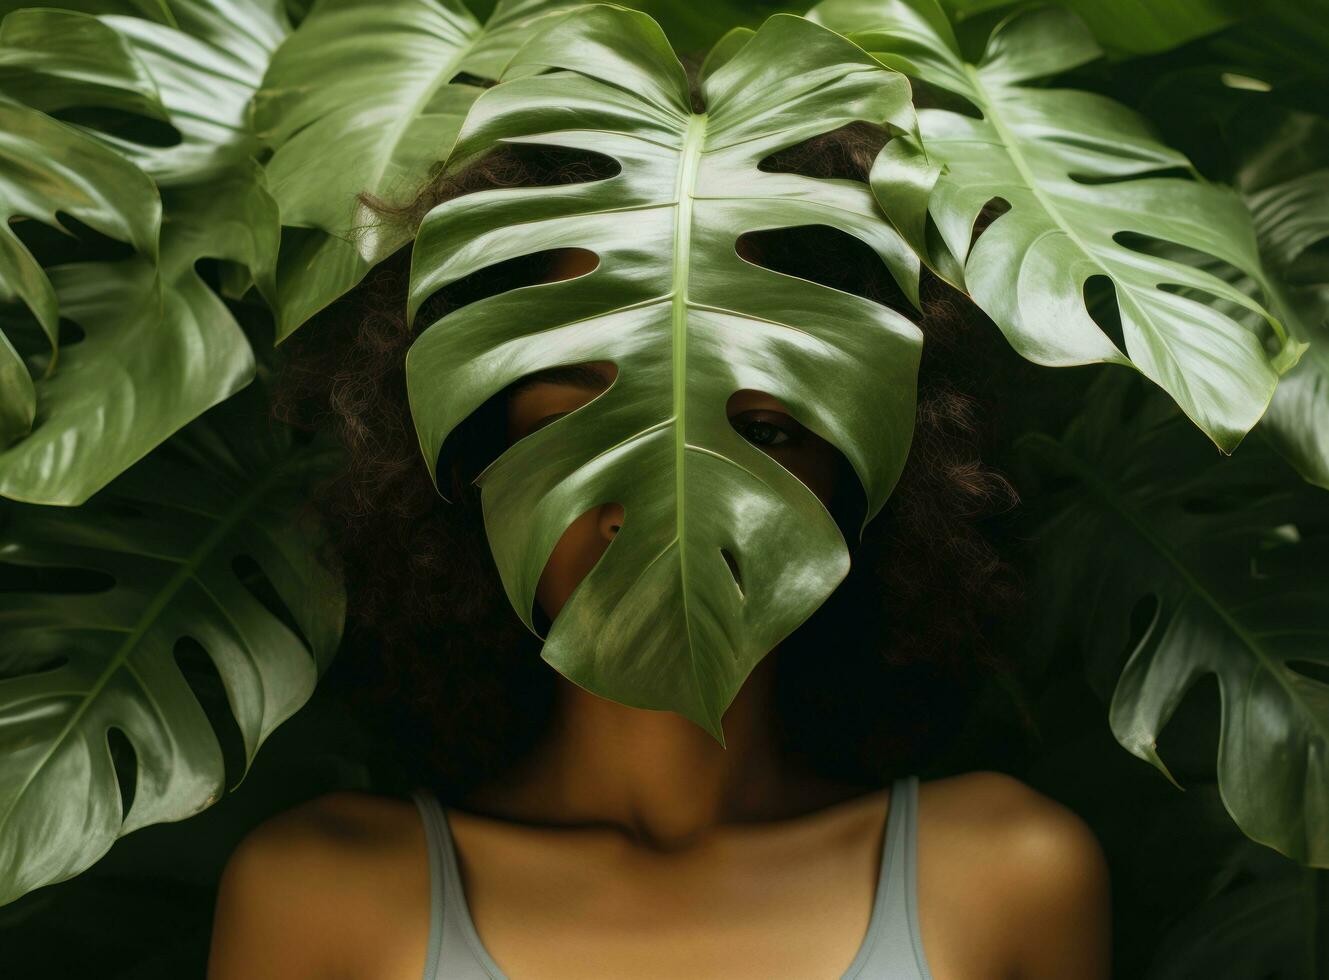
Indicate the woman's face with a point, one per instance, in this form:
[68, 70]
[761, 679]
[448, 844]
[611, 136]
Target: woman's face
[539, 398]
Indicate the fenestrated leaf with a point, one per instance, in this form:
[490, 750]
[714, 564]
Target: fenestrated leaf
[1286, 185]
[47, 169]
[198, 72]
[660, 621]
[58, 59]
[1219, 566]
[1078, 172]
[170, 537]
[155, 355]
[361, 99]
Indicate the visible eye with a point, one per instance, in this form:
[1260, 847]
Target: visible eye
[761, 431]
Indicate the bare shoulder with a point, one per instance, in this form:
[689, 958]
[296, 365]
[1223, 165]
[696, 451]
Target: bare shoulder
[303, 889]
[1034, 869]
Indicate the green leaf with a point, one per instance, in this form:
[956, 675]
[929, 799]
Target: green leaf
[1135, 26]
[1202, 565]
[361, 99]
[47, 168]
[197, 73]
[1286, 185]
[57, 59]
[661, 622]
[1078, 172]
[155, 355]
[165, 548]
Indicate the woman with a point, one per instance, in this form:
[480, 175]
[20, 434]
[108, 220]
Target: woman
[554, 834]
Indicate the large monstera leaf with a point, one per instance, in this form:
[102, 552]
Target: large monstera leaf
[196, 73]
[174, 550]
[368, 98]
[1202, 565]
[47, 169]
[661, 622]
[158, 345]
[1080, 174]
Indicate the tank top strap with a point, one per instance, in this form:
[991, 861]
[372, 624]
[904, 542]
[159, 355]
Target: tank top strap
[893, 946]
[454, 951]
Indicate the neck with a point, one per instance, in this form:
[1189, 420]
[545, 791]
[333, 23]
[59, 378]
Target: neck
[655, 775]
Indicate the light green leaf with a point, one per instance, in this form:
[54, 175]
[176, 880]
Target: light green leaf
[155, 354]
[361, 99]
[166, 537]
[1227, 562]
[57, 59]
[661, 622]
[197, 73]
[48, 168]
[1077, 171]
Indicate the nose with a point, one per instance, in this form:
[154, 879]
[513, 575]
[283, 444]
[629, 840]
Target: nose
[611, 519]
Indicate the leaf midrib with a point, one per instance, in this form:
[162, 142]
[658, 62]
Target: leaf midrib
[242, 508]
[683, 193]
[1104, 492]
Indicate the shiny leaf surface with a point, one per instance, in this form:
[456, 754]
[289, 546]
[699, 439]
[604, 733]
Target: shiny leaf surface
[1080, 174]
[161, 546]
[660, 621]
[362, 99]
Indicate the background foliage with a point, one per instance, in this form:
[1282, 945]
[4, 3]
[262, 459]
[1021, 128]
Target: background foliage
[1182, 592]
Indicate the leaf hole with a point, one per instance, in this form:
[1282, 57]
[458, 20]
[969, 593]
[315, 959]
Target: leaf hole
[125, 762]
[846, 153]
[53, 579]
[256, 582]
[1096, 180]
[549, 265]
[466, 78]
[929, 96]
[990, 212]
[733, 569]
[200, 673]
[132, 127]
[827, 256]
[1142, 617]
[578, 550]
[1196, 259]
[69, 240]
[1100, 299]
[1188, 739]
[1309, 668]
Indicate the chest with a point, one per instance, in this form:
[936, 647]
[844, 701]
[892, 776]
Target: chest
[767, 923]
[803, 915]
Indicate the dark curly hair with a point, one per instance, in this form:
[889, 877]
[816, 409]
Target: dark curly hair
[871, 686]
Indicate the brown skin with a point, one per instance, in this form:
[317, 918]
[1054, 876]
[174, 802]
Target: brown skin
[631, 845]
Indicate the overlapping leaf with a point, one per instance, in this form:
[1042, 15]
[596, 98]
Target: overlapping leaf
[1229, 561]
[160, 347]
[1080, 175]
[1286, 184]
[168, 537]
[47, 169]
[660, 621]
[367, 98]
[197, 73]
